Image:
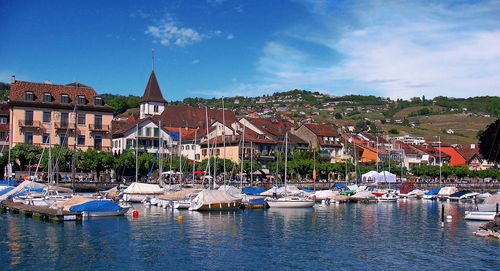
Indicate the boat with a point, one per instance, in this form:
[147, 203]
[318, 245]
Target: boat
[100, 208]
[445, 192]
[463, 195]
[406, 189]
[214, 200]
[289, 201]
[390, 196]
[432, 194]
[478, 215]
[137, 192]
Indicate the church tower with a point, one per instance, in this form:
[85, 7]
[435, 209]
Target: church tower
[152, 102]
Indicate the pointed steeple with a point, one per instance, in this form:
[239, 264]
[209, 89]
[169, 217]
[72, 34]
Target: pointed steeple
[152, 93]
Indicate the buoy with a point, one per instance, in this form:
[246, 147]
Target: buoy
[179, 218]
[448, 218]
[135, 213]
[314, 197]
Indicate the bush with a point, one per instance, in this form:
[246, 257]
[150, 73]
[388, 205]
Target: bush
[394, 131]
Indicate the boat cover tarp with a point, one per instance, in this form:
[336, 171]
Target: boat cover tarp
[308, 190]
[494, 199]
[21, 189]
[434, 191]
[179, 195]
[76, 200]
[290, 191]
[96, 206]
[446, 191]
[459, 194]
[363, 195]
[143, 189]
[339, 186]
[6, 190]
[353, 187]
[9, 182]
[231, 190]
[325, 194]
[253, 190]
[214, 197]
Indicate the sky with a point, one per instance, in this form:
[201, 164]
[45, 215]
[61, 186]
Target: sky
[214, 48]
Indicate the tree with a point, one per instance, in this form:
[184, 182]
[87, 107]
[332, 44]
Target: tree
[25, 155]
[489, 142]
[393, 131]
[338, 116]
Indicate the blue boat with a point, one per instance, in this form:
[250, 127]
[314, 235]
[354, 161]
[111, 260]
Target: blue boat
[432, 194]
[97, 208]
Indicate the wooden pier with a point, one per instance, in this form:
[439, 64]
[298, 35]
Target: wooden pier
[43, 213]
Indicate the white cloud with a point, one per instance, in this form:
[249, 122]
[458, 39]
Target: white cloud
[230, 37]
[168, 33]
[424, 49]
[195, 61]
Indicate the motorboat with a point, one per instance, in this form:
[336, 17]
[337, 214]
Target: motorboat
[388, 197]
[137, 192]
[290, 202]
[445, 192]
[463, 195]
[432, 194]
[100, 208]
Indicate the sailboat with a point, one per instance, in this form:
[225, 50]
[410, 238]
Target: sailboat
[289, 201]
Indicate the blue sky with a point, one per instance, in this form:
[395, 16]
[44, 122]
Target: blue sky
[397, 49]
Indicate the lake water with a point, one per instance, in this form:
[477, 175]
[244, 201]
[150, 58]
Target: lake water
[406, 235]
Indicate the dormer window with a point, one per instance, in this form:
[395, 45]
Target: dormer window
[98, 101]
[64, 98]
[28, 96]
[47, 98]
[81, 100]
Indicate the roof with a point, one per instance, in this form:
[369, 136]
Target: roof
[152, 93]
[321, 130]
[456, 157]
[18, 89]
[194, 117]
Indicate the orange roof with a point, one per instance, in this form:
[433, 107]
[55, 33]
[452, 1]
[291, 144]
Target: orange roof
[456, 157]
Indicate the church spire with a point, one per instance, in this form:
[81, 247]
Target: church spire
[152, 93]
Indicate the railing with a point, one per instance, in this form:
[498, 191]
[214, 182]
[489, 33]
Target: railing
[98, 127]
[64, 125]
[29, 123]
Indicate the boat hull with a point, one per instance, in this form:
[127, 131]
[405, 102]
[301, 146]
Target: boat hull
[482, 216]
[217, 206]
[277, 203]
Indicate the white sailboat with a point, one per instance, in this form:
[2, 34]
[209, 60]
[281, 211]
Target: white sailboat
[289, 201]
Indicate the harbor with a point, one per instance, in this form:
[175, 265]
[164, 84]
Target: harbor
[403, 235]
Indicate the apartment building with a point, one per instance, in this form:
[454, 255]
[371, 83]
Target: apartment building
[60, 114]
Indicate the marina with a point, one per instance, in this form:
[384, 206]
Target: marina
[404, 235]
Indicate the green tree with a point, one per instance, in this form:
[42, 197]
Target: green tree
[393, 131]
[489, 142]
[24, 155]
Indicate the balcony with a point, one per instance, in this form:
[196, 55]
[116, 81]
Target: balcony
[29, 124]
[64, 125]
[99, 128]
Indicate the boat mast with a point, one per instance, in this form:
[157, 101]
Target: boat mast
[215, 153]
[49, 163]
[224, 139]
[194, 155]
[136, 151]
[180, 155]
[251, 163]
[208, 146]
[377, 154]
[286, 156]
[160, 151]
[242, 157]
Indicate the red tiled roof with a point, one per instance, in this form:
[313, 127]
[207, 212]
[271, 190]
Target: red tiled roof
[18, 89]
[194, 117]
[152, 93]
[321, 130]
[456, 158]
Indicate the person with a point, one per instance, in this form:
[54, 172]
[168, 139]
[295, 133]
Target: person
[275, 194]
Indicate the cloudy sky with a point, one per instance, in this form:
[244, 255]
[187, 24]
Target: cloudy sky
[397, 49]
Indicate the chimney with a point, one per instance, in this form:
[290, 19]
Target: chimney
[13, 79]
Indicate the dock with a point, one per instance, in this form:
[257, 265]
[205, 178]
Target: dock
[43, 213]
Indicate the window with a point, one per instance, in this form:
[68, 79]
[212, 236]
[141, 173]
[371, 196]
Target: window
[63, 140]
[148, 131]
[47, 97]
[46, 117]
[193, 147]
[28, 96]
[139, 131]
[45, 138]
[196, 157]
[98, 121]
[64, 98]
[81, 140]
[64, 119]
[81, 118]
[130, 143]
[97, 142]
[182, 148]
[98, 101]
[28, 138]
[155, 132]
[204, 152]
[3, 120]
[28, 117]
[81, 99]
[155, 108]
[187, 147]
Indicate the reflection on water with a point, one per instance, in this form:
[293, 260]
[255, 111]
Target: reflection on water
[399, 235]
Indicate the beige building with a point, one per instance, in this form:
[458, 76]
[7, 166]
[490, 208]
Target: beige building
[63, 114]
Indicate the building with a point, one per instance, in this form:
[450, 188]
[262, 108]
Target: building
[68, 115]
[322, 138]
